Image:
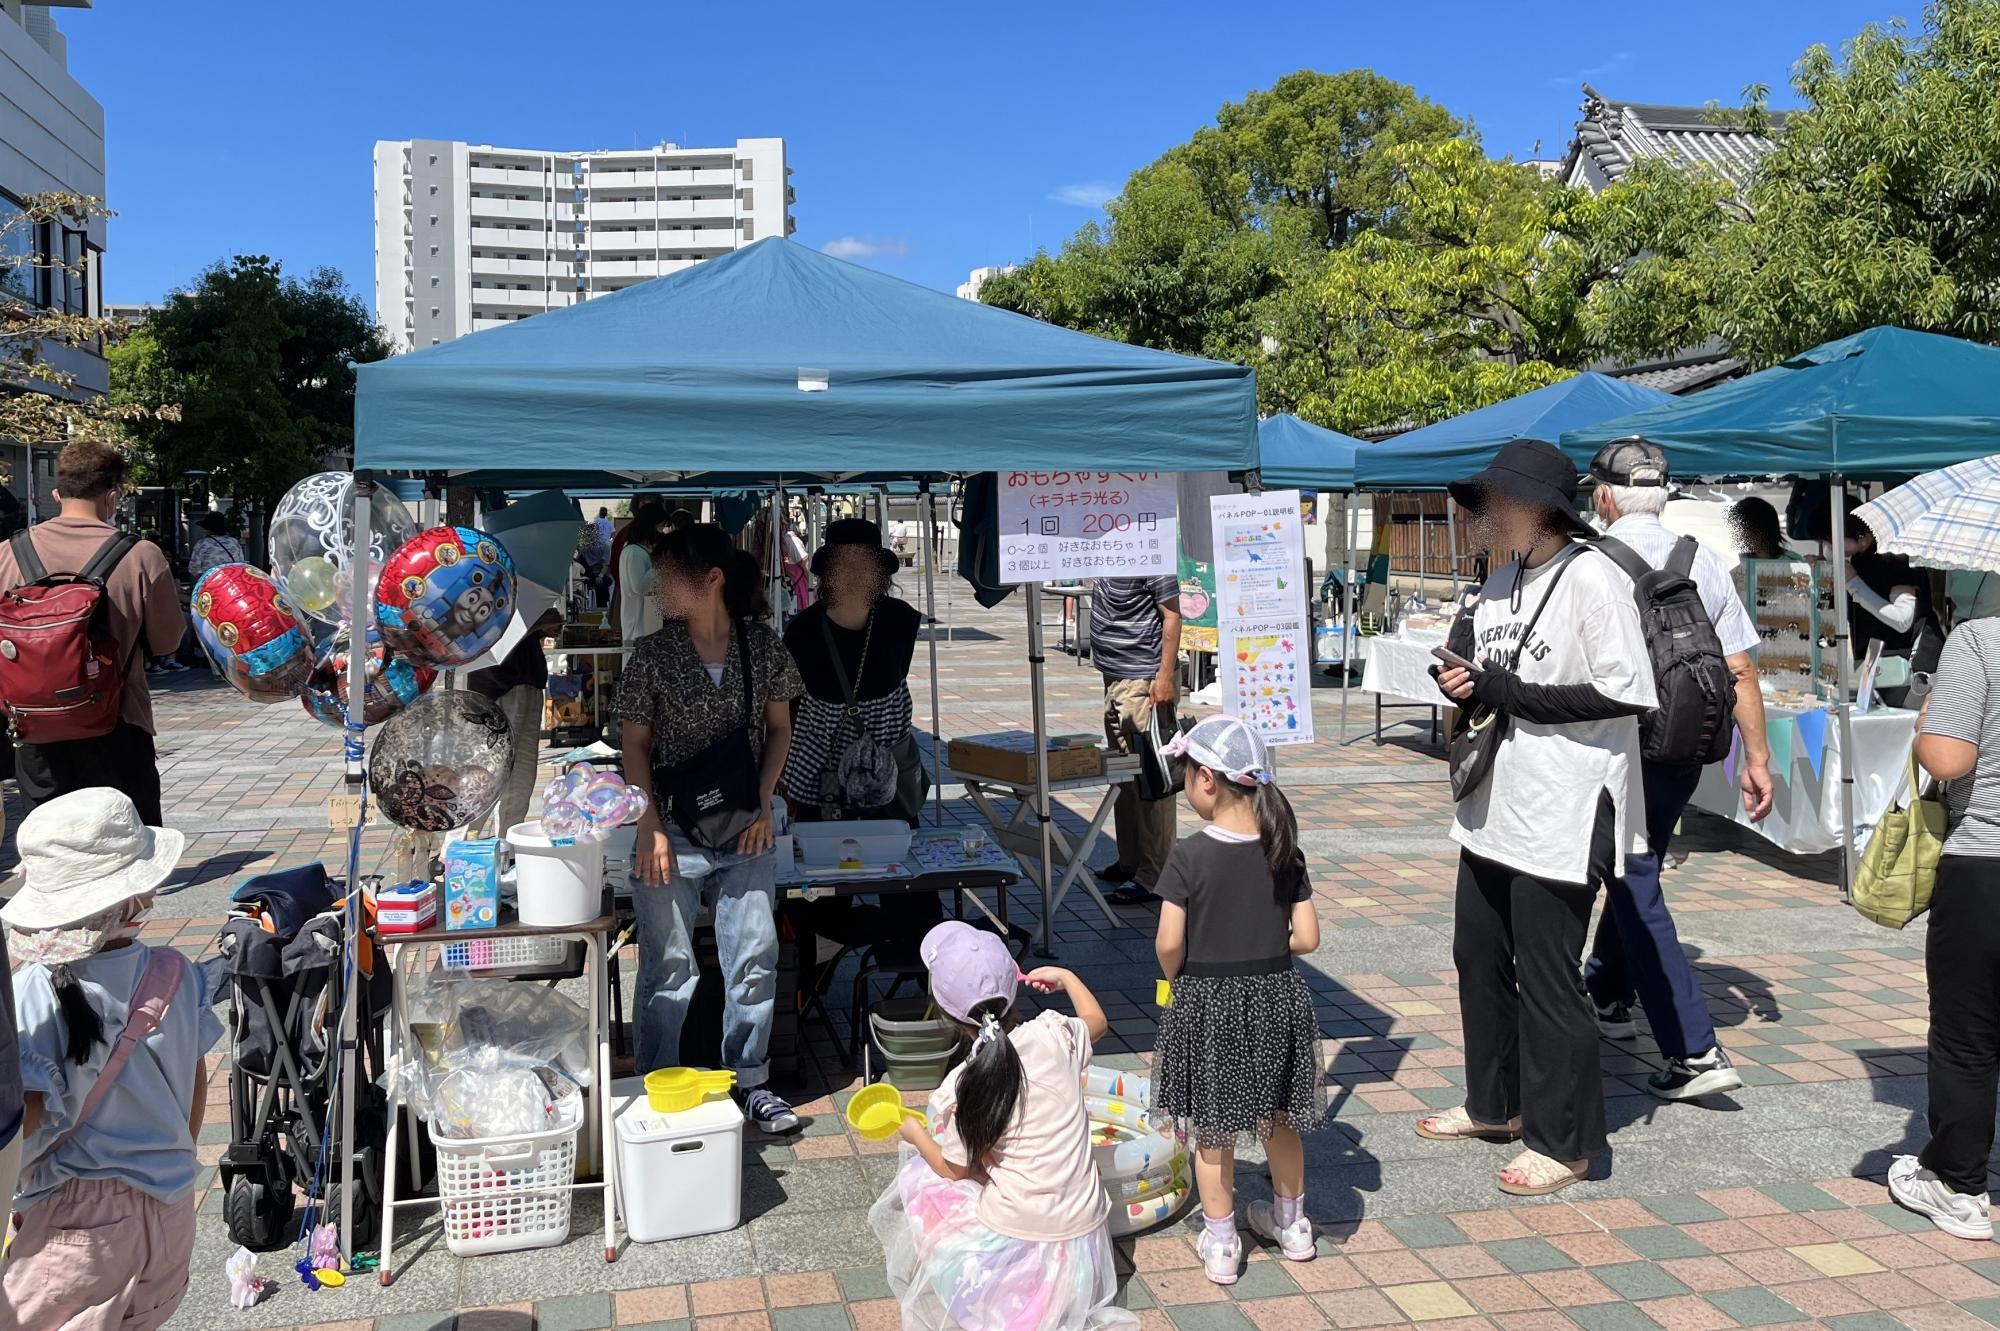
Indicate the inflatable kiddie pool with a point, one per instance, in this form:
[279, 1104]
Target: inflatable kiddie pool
[1145, 1169]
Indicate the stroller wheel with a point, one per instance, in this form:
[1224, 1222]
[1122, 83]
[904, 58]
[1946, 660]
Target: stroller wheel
[259, 1217]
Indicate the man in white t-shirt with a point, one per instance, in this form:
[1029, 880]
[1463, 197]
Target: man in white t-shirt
[1637, 954]
[1555, 638]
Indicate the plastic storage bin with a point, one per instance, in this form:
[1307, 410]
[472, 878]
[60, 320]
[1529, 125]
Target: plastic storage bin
[878, 842]
[906, 1026]
[555, 885]
[679, 1174]
[504, 1194]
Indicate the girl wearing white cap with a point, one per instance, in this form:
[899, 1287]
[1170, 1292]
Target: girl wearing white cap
[112, 1037]
[1238, 1050]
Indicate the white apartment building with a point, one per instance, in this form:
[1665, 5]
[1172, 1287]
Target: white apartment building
[469, 237]
[977, 278]
[51, 138]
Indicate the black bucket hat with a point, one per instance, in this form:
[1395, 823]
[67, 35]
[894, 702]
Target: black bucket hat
[852, 531]
[1527, 471]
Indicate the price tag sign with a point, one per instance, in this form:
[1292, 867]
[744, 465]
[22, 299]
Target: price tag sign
[1056, 526]
[343, 812]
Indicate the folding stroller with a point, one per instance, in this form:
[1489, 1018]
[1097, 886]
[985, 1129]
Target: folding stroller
[283, 955]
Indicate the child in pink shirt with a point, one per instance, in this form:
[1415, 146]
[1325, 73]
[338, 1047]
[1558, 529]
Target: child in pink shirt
[995, 1222]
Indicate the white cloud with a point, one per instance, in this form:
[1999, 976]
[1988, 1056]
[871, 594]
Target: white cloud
[1085, 194]
[867, 247]
[1597, 71]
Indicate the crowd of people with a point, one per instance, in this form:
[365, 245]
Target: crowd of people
[1563, 789]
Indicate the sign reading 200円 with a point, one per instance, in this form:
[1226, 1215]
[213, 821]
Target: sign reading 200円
[1056, 526]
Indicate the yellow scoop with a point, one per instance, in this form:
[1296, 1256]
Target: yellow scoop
[877, 1111]
[670, 1090]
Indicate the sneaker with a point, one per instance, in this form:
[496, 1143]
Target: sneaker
[1963, 1215]
[1692, 1078]
[768, 1113]
[1296, 1239]
[1614, 1022]
[1221, 1259]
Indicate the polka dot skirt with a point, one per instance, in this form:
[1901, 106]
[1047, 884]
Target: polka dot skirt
[1235, 1052]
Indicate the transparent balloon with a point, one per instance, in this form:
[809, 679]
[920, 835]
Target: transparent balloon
[439, 763]
[315, 519]
[313, 584]
[565, 821]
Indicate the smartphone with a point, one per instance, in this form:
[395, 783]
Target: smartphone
[1449, 657]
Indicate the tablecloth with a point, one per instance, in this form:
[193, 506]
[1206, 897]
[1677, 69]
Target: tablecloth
[1805, 809]
[1399, 668]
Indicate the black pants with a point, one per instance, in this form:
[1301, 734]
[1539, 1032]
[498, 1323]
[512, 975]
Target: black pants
[1531, 1044]
[123, 760]
[1962, 956]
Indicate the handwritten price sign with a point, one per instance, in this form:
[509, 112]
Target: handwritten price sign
[1061, 525]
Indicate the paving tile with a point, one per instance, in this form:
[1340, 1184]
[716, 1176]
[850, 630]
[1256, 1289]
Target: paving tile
[666, 1303]
[1986, 1309]
[1571, 1289]
[811, 1317]
[1264, 1280]
[1658, 1242]
[743, 1321]
[1704, 1274]
[1327, 1275]
[1173, 1288]
[1687, 1312]
[1595, 1248]
[578, 1312]
[1355, 1308]
[1867, 1322]
[714, 1297]
[876, 1315]
[1639, 1280]
[1522, 1256]
[1801, 1197]
[863, 1283]
[1826, 1298]
[1681, 1210]
[1426, 1231]
[1296, 1313]
[1755, 1307]
[1612, 1317]
[1836, 1259]
[1210, 1317]
[1430, 1301]
[1465, 1262]
[809, 1289]
[1393, 1268]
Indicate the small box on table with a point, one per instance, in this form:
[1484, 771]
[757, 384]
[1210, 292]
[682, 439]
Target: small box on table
[1010, 756]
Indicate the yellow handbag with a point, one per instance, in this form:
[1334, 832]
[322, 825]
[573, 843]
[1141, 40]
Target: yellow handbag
[1893, 883]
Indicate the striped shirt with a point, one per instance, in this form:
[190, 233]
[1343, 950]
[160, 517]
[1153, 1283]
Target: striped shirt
[1965, 705]
[1125, 631]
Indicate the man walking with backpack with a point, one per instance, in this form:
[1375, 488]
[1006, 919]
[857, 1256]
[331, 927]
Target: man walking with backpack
[81, 606]
[1700, 638]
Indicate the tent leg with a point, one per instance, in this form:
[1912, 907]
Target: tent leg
[1038, 686]
[930, 612]
[1423, 551]
[354, 749]
[1843, 709]
[1352, 528]
[1451, 543]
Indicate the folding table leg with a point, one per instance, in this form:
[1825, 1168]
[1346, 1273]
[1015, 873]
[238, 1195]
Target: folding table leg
[385, 1273]
[607, 1143]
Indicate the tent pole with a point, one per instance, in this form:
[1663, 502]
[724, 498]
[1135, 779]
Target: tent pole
[930, 612]
[1423, 549]
[777, 584]
[1844, 710]
[354, 750]
[1451, 542]
[1352, 521]
[1038, 687]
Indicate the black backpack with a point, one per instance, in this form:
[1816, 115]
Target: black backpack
[1695, 719]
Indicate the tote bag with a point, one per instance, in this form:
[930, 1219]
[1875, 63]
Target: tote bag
[1893, 883]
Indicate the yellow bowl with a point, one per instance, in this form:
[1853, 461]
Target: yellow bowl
[670, 1090]
[876, 1112]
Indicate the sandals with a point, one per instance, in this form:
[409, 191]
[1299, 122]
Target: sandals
[1455, 1125]
[1537, 1175]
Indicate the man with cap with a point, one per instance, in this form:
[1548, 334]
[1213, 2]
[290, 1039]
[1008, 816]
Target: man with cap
[1555, 640]
[1638, 952]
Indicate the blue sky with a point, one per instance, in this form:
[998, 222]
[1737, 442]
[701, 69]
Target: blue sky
[926, 138]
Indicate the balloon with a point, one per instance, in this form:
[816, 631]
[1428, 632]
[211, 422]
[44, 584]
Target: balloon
[315, 520]
[438, 763]
[313, 584]
[446, 596]
[605, 801]
[393, 683]
[249, 630]
[564, 820]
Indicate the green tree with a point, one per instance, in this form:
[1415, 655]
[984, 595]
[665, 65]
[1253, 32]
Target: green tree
[1881, 202]
[263, 365]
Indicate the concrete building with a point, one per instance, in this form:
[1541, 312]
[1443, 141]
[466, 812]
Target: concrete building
[978, 277]
[51, 138]
[469, 237]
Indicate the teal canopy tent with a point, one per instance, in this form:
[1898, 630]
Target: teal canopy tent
[778, 361]
[1298, 455]
[1436, 455]
[1885, 403]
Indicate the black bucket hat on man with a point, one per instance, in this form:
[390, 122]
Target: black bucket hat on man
[1527, 471]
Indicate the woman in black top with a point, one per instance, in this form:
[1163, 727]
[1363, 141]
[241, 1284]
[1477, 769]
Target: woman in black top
[1889, 602]
[853, 647]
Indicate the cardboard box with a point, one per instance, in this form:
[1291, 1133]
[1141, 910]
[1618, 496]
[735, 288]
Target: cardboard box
[1010, 756]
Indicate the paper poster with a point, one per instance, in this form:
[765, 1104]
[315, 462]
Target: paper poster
[1059, 526]
[1260, 596]
[1197, 606]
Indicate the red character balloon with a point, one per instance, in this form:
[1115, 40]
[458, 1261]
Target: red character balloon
[250, 631]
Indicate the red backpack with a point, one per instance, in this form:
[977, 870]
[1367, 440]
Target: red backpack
[60, 676]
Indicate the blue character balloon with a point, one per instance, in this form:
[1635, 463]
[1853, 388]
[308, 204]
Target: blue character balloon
[445, 598]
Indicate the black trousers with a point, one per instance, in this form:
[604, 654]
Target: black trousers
[123, 760]
[1962, 957]
[1531, 1043]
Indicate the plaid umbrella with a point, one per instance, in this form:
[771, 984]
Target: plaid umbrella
[1943, 519]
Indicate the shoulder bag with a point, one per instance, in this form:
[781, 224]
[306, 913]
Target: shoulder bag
[714, 794]
[1481, 729]
[1898, 870]
[864, 775]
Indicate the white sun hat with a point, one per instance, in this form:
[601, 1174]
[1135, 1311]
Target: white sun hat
[1224, 744]
[83, 854]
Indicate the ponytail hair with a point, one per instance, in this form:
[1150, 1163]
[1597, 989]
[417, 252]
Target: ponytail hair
[989, 1085]
[1277, 826]
[691, 552]
[743, 588]
[80, 1019]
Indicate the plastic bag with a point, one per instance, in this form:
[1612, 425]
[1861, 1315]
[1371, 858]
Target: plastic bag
[492, 1058]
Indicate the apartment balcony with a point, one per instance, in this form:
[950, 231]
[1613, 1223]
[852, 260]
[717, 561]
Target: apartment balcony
[722, 208]
[631, 210]
[704, 238]
[537, 297]
[696, 178]
[603, 270]
[621, 179]
[536, 268]
[622, 242]
[527, 210]
[500, 237]
[511, 177]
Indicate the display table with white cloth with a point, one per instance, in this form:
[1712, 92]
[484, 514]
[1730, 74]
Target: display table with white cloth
[1397, 670]
[1805, 806]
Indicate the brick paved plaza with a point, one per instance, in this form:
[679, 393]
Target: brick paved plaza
[1763, 1210]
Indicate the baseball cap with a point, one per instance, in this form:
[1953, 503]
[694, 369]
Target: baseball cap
[1224, 744]
[1632, 461]
[968, 967]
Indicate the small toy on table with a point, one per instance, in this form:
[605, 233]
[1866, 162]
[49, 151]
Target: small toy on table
[406, 908]
[472, 885]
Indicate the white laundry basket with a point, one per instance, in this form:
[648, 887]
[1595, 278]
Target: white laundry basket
[555, 885]
[503, 1194]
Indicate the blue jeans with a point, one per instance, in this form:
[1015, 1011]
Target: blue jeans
[743, 890]
[1638, 954]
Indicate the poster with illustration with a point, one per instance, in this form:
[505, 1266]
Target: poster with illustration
[1260, 608]
[1197, 605]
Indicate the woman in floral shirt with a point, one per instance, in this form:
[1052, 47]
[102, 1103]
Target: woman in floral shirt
[681, 693]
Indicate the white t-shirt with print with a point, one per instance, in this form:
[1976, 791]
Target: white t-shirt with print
[1536, 810]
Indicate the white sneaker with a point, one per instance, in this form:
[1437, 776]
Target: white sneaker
[1963, 1215]
[1691, 1078]
[1221, 1259]
[1296, 1239]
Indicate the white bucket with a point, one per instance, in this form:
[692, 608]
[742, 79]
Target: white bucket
[555, 885]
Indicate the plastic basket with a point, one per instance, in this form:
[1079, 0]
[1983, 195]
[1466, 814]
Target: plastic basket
[504, 1194]
[488, 954]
